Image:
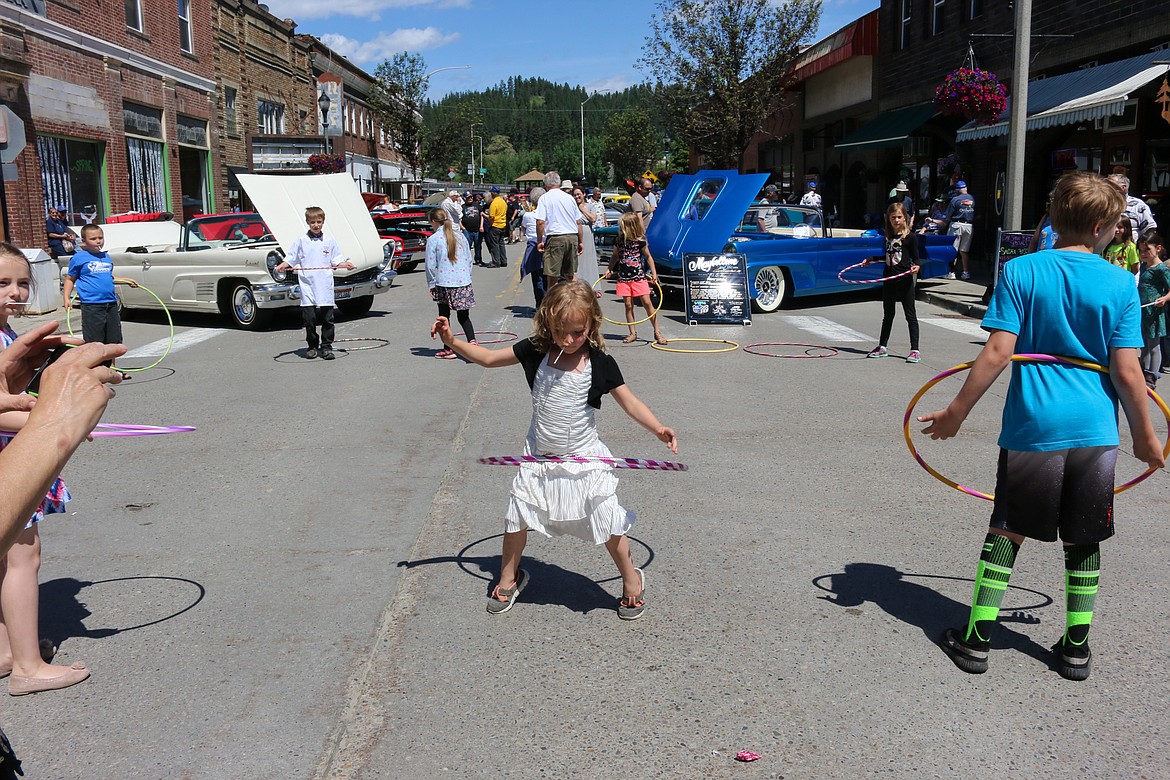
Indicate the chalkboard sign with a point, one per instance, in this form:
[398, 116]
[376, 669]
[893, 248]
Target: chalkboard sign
[716, 289]
[1009, 244]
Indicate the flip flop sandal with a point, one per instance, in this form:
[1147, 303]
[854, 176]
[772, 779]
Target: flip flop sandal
[502, 599]
[630, 339]
[632, 607]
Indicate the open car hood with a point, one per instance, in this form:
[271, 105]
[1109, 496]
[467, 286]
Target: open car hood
[686, 222]
[282, 200]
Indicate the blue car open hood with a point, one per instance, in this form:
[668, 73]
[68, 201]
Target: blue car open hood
[679, 226]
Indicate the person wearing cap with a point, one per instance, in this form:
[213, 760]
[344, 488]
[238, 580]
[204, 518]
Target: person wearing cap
[812, 197]
[472, 223]
[933, 224]
[558, 233]
[765, 214]
[497, 225]
[453, 205]
[59, 233]
[960, 218]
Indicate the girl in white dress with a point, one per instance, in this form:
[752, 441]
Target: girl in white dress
[568, 371]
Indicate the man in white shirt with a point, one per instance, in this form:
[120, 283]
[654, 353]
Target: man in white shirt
[812, 197]
[453, 205]
[558, 233]
[1141, 218]
[596, 208]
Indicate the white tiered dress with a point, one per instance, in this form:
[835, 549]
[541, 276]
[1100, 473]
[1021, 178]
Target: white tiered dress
[574, 499]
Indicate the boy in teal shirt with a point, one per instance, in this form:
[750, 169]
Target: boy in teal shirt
[1059, 436]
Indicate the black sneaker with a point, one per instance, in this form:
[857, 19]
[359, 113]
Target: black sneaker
[327, 354]
[311, 353]
[971, 658]
[1074, 662]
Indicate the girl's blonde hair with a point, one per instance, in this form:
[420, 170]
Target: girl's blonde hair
[630, 228]
[905, 225]
[560, 303]
[441, 218]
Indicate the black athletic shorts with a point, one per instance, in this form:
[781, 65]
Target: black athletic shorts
[1060, 493]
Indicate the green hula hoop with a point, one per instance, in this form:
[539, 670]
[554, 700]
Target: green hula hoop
[166, 311]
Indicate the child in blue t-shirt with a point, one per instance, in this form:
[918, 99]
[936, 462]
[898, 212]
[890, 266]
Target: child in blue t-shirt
[91, 274]
[1059, 438]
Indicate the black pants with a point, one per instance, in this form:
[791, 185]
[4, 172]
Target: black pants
[464, 317]
[101, 322]
[496, 238]
[892, 292]
[318, 314]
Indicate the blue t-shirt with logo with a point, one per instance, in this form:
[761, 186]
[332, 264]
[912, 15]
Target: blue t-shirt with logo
[1071, 304]
[94, 275]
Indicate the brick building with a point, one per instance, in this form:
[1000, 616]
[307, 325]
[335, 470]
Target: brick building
[117, 107]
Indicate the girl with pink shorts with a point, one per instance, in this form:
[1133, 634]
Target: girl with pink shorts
[629, 252]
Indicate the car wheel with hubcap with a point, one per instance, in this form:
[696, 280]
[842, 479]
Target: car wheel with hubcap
[242, 308]
[771, 288]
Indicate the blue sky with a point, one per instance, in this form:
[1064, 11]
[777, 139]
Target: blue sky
[598, 44]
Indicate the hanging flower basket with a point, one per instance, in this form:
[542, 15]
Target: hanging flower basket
[327, 163]
[971, 93]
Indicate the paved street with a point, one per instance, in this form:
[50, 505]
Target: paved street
[296, 590]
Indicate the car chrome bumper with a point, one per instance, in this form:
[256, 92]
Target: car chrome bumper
[275, 296]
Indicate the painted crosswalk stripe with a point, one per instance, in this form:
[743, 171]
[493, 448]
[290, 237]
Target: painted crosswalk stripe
[185, 339]
[827, 329]
[966, 327]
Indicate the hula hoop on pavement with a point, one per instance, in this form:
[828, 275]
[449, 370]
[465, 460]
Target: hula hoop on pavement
[647, 318]
[505, 333]
[642, 464]
[750, 349]
[378, 343]
[118, 430]
[1021, 358]
[166, 311]
[732, 348]
[879, 280]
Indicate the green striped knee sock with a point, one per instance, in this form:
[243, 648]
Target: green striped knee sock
[991, 581]
[1082, 570]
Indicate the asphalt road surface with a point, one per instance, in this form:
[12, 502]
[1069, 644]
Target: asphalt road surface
[297, 589]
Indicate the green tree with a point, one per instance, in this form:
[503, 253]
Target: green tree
[447, 140]
[724, 65]
[396, 97]
[631, 143]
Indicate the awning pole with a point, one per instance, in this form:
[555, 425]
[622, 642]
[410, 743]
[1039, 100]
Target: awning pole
[1017, 125]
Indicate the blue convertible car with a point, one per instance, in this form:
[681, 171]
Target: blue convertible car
[711, 212]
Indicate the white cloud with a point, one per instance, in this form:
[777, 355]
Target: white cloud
[614, 83]
[365, 9]
[386, 45]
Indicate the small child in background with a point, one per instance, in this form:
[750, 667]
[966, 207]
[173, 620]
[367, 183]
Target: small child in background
[631, 257]
[24, 658]
[91, 274]
[575, 499]
[314, 256]
[1154, 291]
[1122, 251]
[448, 266]
[902, 254]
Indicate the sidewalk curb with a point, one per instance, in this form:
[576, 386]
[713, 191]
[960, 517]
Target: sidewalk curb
[965, 302]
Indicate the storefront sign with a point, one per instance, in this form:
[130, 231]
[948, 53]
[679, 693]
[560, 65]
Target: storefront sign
[1064, 159]
[1010, 244]
[716, 289]
[329, 105]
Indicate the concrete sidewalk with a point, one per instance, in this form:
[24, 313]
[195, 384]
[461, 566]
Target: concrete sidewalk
[966, 298]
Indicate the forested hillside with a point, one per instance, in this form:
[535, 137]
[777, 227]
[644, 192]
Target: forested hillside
[530, 123]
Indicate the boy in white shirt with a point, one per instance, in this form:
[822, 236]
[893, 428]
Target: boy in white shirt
[314, 256]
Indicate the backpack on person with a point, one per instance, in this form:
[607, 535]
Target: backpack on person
[471, 217]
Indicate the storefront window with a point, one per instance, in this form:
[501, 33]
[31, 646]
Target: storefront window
[192, 136]
[148, 178]
[71, 176]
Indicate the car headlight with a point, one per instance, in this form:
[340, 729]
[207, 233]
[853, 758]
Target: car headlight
[275, 259]
[388, 250]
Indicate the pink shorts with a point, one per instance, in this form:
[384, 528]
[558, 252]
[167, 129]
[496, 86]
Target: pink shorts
[633, 289]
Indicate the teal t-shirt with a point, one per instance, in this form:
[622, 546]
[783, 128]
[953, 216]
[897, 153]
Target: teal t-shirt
[1071, 304]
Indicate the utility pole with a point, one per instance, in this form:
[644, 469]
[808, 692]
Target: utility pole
[1018, 122]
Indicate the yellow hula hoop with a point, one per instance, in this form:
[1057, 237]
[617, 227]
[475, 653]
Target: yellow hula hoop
[1025, 358]
[734, 346]
[647, 318]
[166, 311]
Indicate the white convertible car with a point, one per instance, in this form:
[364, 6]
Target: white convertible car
[225, 263]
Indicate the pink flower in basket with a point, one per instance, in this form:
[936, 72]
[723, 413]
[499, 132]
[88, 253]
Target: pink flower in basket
[327, 163]
[973, 94]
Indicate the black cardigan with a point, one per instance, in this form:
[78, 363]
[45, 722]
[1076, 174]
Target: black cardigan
[606, 374]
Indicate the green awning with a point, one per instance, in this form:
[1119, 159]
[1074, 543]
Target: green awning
[890, 129]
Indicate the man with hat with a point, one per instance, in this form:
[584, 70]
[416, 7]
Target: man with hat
[62, 239]
[959, 218]
[901, 194]
[812, 197]
[453, 205]
[497, 225]
[766, 212]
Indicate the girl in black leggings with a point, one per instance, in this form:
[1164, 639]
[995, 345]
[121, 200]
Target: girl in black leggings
[902, 254]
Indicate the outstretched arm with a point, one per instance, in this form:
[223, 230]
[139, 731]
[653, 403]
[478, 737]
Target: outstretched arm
[482, 356]
[642, 415]
[1125, 371]
[996, 354]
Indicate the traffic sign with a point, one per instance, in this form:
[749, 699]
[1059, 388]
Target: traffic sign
[13, 143]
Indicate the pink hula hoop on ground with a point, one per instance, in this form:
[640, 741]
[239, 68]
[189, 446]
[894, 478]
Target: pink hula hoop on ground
[645, 464]
[508, 336]
[749, 349]
[1021, 358]
[879, 280]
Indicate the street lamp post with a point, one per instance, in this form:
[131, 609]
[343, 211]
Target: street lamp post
[473, 166]
[583, 102]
